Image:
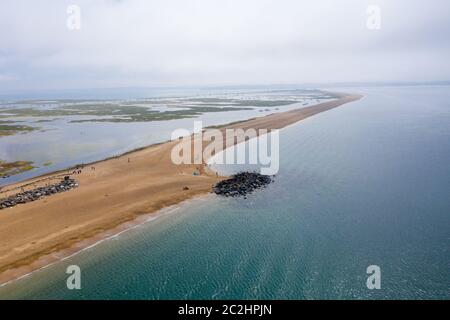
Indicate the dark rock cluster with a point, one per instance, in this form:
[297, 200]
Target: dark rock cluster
[241, 184]
[31, 195]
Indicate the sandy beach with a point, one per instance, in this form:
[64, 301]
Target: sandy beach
[112, 195]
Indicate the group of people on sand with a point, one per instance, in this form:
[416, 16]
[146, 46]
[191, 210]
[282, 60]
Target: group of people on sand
[79, 169]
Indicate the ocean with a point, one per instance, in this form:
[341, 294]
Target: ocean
[364, 184]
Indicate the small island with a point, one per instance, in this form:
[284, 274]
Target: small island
[14, 167]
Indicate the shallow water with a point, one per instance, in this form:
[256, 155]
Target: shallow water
[366, 183]
[60, 143]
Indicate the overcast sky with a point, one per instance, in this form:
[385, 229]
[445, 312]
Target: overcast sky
[227, 42]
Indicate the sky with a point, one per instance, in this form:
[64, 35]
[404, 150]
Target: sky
[159, 43]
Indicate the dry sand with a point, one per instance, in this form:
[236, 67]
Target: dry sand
[109, 198]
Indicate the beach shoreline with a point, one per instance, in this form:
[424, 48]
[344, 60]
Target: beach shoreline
[115, 195]
[46, 261]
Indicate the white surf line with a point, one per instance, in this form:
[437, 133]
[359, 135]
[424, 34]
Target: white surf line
[150, 219]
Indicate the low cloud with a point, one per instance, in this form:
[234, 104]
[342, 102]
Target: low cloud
[216, 42]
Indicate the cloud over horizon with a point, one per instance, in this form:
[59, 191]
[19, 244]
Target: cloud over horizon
[212, 42]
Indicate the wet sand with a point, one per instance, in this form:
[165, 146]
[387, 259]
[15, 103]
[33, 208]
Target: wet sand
[120, 192]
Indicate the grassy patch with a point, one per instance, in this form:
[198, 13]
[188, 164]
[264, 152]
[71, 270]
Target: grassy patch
[8, 130]
[15, 167]
[146, 115]
[140, 111]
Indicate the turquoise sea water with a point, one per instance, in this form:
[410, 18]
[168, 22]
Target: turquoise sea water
[364, 184]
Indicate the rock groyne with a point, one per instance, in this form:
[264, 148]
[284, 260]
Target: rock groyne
[35, 194]
[242, 184]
